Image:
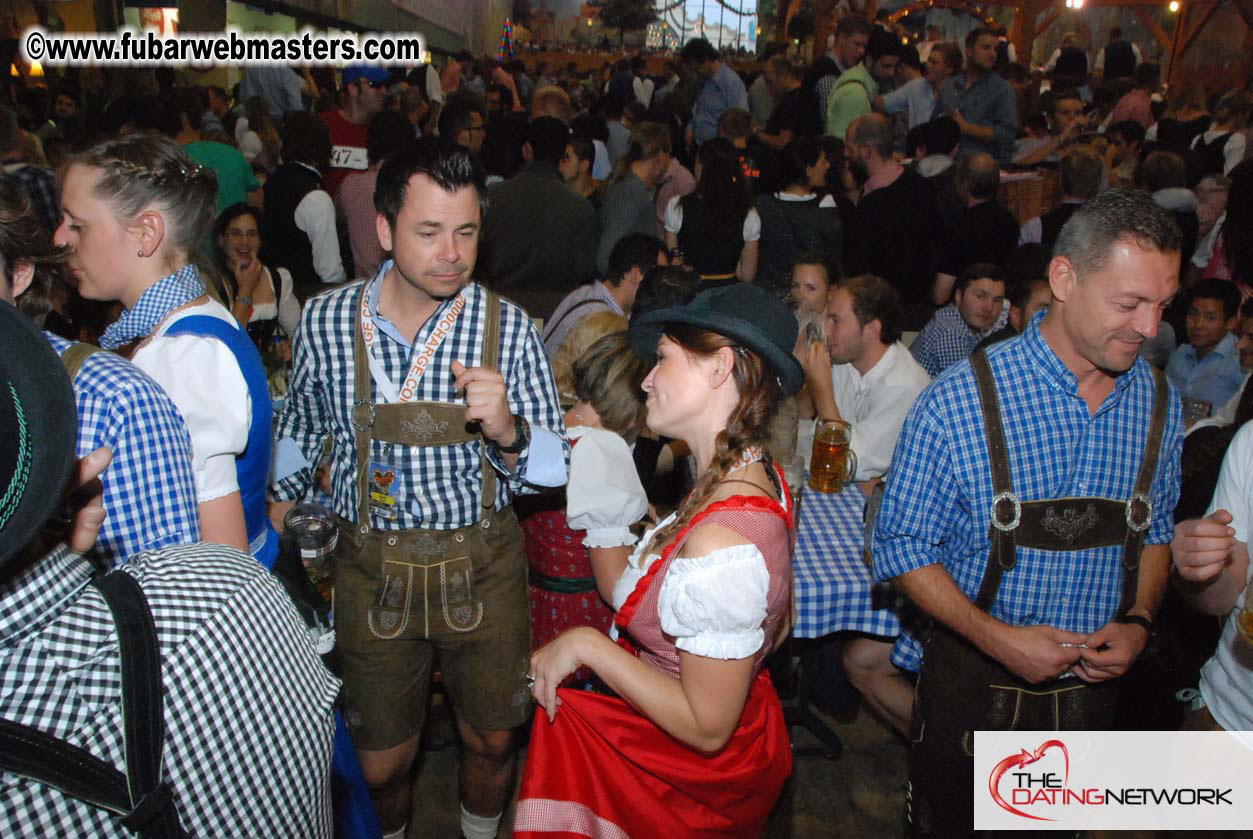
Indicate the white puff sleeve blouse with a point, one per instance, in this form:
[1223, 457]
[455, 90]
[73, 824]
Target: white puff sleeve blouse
[604, 496]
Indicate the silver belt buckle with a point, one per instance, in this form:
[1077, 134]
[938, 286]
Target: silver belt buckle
[1140, 499]
[363, 421]
[1013, 499]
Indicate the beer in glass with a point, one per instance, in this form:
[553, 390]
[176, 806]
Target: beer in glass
[833, 463]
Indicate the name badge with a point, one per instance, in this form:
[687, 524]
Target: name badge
[382, 499]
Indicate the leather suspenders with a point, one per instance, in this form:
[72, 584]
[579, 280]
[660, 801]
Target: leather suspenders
[1063, 524]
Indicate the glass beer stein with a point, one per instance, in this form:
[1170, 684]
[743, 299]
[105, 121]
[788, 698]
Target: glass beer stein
[314, 532]
[833, 463]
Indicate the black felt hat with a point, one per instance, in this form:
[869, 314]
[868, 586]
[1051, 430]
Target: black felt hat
[748, 314]
[38, 429]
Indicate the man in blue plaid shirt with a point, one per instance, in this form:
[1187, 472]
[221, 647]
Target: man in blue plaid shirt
[440, 405]
[1030, 507]
[978, 309]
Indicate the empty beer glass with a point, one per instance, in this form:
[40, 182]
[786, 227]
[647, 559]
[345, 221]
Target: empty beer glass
[314, 533]
[833, 463]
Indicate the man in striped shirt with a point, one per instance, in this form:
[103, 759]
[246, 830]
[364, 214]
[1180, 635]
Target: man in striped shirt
[629, 261]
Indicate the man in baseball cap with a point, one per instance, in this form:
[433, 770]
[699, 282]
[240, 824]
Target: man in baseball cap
[365, 89]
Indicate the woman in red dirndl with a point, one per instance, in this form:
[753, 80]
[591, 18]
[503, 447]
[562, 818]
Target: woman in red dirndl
[694, 744]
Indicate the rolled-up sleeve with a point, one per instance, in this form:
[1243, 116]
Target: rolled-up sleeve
[532, 394]
[1005, 125]
[919, 504]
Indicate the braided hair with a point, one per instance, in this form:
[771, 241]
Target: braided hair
[748, 426]
[139, 171]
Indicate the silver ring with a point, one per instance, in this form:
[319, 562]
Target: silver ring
[530, 680]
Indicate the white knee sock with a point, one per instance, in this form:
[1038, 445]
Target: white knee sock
[479, 827]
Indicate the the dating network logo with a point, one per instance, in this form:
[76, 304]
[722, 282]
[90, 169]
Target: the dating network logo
[1036, 782]
[1027, 787]
[1113, 780]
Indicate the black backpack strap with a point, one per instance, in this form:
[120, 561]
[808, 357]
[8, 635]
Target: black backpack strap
[143, 803]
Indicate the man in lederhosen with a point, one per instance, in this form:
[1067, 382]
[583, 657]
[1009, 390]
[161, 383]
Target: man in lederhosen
[440, 405]
[1029, 507]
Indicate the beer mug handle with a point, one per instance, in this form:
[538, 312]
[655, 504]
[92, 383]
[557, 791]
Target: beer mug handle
[852, 465]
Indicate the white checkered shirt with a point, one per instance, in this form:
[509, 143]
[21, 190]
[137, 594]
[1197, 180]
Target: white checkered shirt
[149, 490]
[247, 702]
[437, 487]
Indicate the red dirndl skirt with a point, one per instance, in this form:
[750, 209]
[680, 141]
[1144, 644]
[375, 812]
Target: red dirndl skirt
[602, 770]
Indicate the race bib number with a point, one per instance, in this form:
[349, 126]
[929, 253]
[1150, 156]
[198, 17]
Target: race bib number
[349, 157]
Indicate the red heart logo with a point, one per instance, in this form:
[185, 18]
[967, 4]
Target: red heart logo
[1024, 758]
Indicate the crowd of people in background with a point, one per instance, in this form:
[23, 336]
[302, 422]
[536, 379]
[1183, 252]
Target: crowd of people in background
[640, 286]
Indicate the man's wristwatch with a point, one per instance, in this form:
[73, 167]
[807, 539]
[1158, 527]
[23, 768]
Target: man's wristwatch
[522, 436]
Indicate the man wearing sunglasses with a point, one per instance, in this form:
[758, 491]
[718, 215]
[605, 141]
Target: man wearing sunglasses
[365, 88]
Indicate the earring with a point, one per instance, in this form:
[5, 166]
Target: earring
[141, 254]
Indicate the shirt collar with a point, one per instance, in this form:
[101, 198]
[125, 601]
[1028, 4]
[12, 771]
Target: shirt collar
[1222, 350]
[1048, 366]
[40, 592]
[880, 371]
[602, 289]
[375, 290]
[157, 301]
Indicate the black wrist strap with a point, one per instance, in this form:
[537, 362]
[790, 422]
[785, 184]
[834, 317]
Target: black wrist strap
[522, 436]
[1138, 620]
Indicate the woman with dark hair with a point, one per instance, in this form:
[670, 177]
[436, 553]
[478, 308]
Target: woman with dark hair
[602, 499]
[796, 219]
[262, 298]
[715, 225]
[694, 743]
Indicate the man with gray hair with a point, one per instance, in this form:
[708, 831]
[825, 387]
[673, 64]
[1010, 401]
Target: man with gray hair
[1031, 506]
[986, 232]
[1082, 172]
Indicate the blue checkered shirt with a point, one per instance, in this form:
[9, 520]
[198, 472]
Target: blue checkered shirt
[157, 301]
[436, 487]
[938, 499]
[247, 703]
[946, 340]
[149, 490]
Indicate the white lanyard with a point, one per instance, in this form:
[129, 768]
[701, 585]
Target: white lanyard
[421, 360]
